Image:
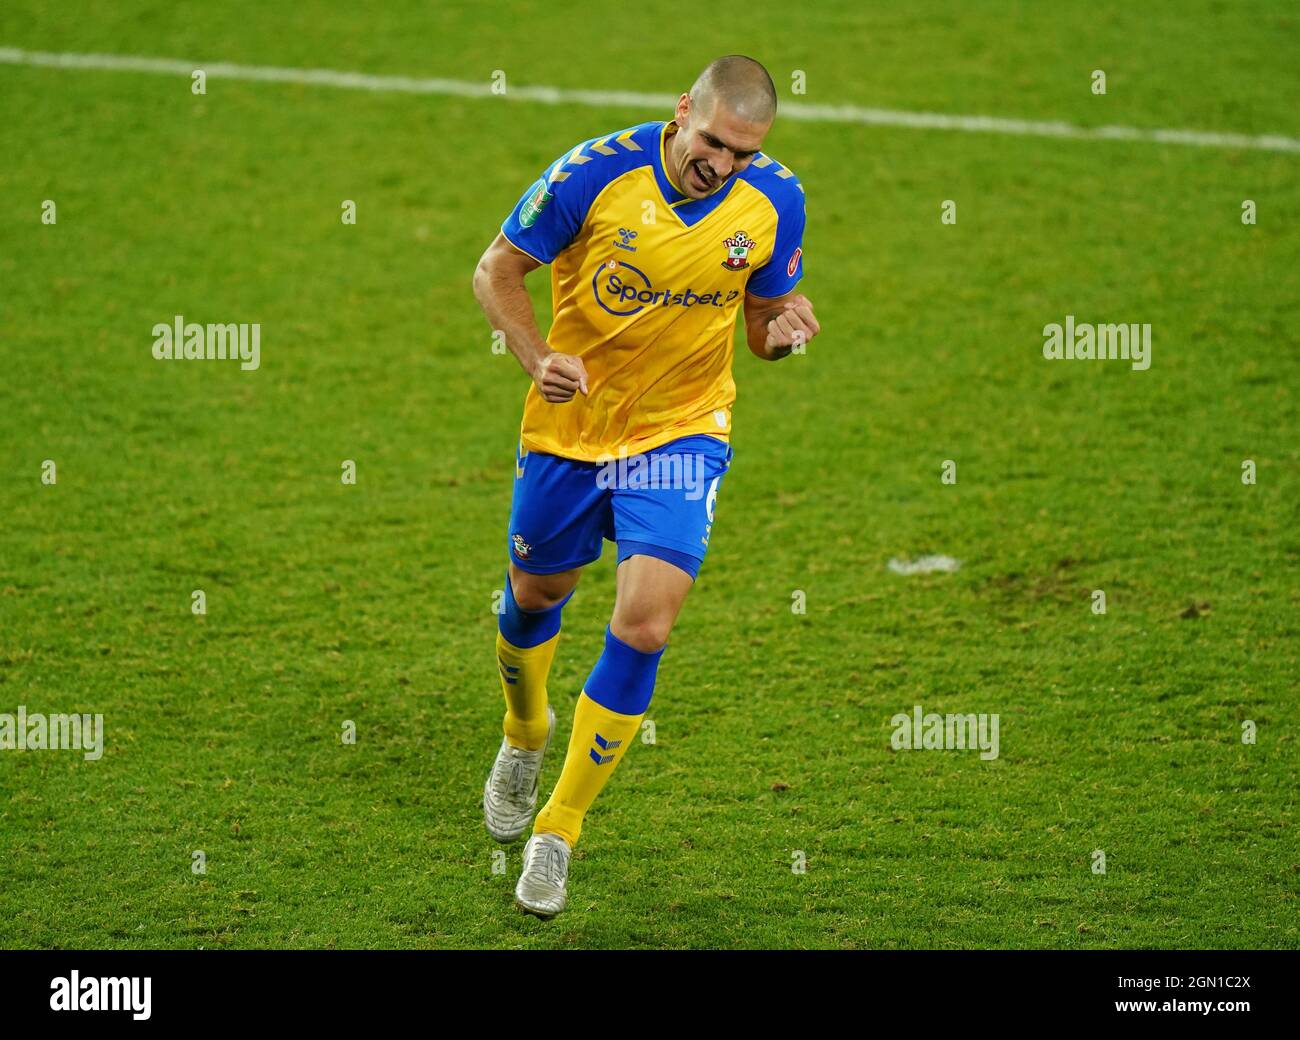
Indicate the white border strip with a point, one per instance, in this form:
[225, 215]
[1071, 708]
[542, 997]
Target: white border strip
[629, 99]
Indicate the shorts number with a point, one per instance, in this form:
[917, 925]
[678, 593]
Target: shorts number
[713, 497]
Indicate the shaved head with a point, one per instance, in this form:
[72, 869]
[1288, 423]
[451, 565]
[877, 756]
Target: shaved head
[738, 83]
[720, 125]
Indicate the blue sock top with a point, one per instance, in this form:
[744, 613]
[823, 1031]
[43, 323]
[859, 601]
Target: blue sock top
[527, 628]
[624, 677]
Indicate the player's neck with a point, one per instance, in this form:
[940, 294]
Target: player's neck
[669, 156]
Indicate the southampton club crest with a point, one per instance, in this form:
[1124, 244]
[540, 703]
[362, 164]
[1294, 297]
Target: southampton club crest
[738, 248]
[522, 548]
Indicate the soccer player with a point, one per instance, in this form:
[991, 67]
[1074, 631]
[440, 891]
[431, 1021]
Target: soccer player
[657, 236]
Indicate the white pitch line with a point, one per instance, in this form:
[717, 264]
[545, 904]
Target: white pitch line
[630, 99]
[924, 565]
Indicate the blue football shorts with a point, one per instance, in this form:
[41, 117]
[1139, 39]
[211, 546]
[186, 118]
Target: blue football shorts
[656, 503]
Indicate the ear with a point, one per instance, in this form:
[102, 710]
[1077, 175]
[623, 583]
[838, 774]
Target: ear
[683, 109]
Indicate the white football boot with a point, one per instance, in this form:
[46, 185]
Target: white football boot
[510, 794]
[541, 884]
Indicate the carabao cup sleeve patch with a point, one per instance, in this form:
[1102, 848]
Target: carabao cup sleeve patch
[547, 217]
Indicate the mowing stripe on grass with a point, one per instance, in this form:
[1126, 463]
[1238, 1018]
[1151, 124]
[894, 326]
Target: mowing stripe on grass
[631, 99]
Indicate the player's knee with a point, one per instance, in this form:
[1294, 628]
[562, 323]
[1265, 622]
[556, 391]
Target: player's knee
[533, 592]
[646, 634]
[532, 598]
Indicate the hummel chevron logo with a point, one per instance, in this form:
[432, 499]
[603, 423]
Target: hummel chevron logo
[605, 745]
[762, 161]
[508, 672]
[577, 158]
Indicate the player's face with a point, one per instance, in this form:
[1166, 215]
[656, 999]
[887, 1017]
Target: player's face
[711, 146]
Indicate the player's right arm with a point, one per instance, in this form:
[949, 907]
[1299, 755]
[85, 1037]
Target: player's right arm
[499, 288]
[545, 220]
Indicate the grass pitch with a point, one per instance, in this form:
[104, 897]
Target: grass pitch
[372, 603]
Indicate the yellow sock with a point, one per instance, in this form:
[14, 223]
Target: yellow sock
[523, 680]
[600, 739]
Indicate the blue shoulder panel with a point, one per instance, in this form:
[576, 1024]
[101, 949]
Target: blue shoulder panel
[551, 212]
[782, 273]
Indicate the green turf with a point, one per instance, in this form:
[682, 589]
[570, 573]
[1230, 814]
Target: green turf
[373, 602]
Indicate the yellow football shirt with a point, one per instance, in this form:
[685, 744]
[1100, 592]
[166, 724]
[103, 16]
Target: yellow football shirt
[646, 283]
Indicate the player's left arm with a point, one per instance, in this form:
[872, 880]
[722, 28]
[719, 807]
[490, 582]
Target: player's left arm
[777, 318]
[774, 326]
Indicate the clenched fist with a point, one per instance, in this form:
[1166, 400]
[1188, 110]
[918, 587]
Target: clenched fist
[558, 376]
[796, 320]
